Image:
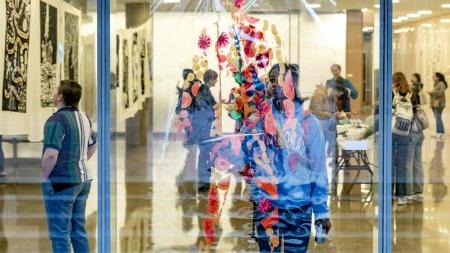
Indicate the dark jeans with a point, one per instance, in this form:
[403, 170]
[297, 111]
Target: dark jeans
[294, 226]
[439, 123]
[400, 170]
[66, 217]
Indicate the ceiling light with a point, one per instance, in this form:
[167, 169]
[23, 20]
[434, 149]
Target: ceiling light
[367, 29]
[364, 9]
[403, 18]
[377, 6]
[313, 6]
[396, 1]
[445, 20]
[413, 15]
[446, 6]
[425, 12]
[396, 20]
[171, 1]
[427, 25]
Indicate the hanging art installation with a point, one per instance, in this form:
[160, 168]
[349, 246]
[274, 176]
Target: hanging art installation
[71, 54]
[244, 51]
[14, 92]
[48, 25]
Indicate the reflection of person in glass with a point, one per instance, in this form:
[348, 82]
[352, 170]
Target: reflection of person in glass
[69, 142]
[203, 118]
[294, 159]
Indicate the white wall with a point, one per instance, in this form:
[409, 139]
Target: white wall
[320, 47]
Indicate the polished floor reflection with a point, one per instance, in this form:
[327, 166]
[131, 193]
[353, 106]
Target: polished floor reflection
[156, 207]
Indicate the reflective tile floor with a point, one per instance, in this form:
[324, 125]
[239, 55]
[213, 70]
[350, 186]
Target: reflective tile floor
[155, 207]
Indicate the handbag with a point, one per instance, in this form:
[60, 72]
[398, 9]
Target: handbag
[422, 120]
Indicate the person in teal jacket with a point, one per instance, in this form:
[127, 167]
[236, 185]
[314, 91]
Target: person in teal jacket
[351, 90]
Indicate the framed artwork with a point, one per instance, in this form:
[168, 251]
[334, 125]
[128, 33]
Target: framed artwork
[48, 46]
[14, 92]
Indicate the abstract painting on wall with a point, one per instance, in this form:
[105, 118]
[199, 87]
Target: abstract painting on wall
[49, 22]
[71, 54]
[14, 92]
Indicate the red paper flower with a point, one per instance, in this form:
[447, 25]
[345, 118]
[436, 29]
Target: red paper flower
[265, 205]
[213, 200]
[224, 183]
[195, 88]
[223, 40]
[248, 172]
[238, 3]
[263, 59]
[204, 41]
[208, 230]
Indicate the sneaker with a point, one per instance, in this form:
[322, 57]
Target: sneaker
[417, 197]
[402, 201]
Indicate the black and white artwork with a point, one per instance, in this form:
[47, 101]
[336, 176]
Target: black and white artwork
[48, 25]
[136, 67]
[14, 92]
[125, 84]
[71, 55]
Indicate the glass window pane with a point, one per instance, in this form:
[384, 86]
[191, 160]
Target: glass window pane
[45, 131]
[421, 69]
[231, 118]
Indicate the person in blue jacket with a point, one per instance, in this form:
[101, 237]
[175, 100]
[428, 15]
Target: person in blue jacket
[202, 121]
[297, 157]
[332, 83]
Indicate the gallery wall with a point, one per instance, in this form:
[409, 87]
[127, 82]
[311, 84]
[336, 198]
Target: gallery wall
[42, 49]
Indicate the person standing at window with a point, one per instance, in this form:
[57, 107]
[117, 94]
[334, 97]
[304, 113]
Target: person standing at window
[203, 118]
[332, 83]
[438, 102]
[417, 87]
[296, 156]
[402, 174]
[69, 141]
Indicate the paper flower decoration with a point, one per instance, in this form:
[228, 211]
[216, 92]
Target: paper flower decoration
[195, 88]
[263, 59]
[238, 3]
[204, 41]
[288, 86]
[265, 205]
[224, 183]
[223, 40]
[293, 161]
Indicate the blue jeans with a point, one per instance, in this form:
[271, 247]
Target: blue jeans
[415, 163]
[294, 226]
[66, 217]
[439, 123]
[401, 173]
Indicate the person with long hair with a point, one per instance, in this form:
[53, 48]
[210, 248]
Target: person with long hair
[417, 86]
[401, 171]
[438, 102]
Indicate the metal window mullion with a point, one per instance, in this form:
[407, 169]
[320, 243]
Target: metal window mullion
[385, 121]
[103, 105]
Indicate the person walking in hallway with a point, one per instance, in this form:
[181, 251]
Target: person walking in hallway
[438, 102]
[69, 141]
